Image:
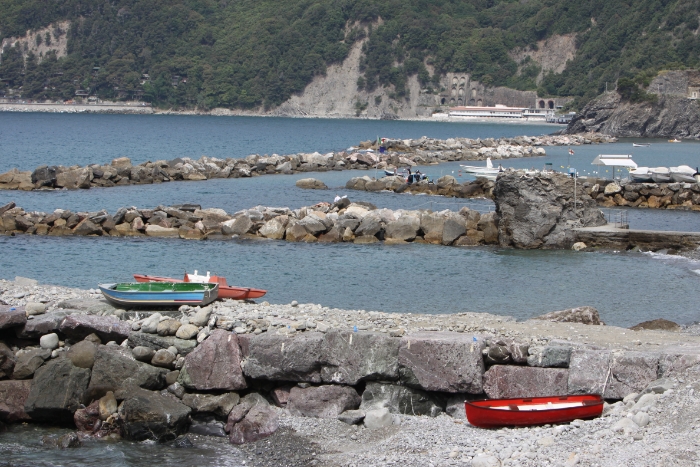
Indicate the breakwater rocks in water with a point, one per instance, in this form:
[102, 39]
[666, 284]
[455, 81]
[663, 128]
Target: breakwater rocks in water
[684, 196]
[446, 185]
[343, 221]
[420, 151]
[240, 370]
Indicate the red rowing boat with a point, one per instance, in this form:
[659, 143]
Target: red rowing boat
[225, 290]
[495, 413]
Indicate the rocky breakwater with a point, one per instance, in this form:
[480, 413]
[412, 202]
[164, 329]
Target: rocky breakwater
[683, 196]
[541, 210]
[241, 370]
[420, 151]
[343, 221]
[446, 185]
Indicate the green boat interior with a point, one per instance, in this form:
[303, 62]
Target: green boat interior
[163, 287]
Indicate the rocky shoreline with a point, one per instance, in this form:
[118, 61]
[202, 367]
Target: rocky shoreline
[361, 386]
[399, 153]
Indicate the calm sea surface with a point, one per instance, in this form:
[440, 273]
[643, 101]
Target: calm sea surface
[416, 278]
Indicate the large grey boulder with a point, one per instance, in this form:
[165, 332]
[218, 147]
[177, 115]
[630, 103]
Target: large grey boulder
[581, 314]
[108, 328]
[311, 184]
[28, 362]
[116, 369]
[57, 391]
[630, 372]
[7, 361]
[326, 401]
[350, 357]
[370, 225]
[556, 356]
[149, 415]
[90, 306]
[404, 228]
[215, 364]
[239, 226]
[156, 342]
[399, 400]
[454, 227]
[589, 371]
[276, 357]
[442, 361]
[507, 381]
[40, 325]
[538, 211]
[432, 225]
[274, 229]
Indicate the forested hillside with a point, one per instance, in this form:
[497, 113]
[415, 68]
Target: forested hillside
[251, 53]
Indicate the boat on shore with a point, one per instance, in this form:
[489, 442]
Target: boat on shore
[641, 175]
[683, 174]
[660, 174]
[496, 413]
[160, 294]
[225, 291]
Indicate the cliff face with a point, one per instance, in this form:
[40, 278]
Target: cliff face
[675, 114]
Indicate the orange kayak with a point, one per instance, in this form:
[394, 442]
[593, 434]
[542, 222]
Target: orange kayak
[225, 290]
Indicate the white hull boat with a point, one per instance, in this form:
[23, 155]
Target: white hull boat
[641, 175]
[488, 171]
[683, 174]
[661, 174]
[641, 145]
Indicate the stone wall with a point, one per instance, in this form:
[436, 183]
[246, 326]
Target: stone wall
[155, 377]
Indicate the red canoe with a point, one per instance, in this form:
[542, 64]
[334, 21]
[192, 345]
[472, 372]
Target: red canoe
[495, 413]
[225, 290]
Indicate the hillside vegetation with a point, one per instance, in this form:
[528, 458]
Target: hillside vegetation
[252, 53]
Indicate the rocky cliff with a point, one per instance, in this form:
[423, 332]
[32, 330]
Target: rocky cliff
[676, 113]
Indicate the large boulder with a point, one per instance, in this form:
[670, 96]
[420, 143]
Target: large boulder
[581, 314]
[215, 364]
[432, 225]
[219, 405]
[28, 362]
[276, 357]
[311, 184]
[149, 415]
[57, 391]
[405, 228]
[274, 229]
[507, 381]
[259, 422]
[41, 325]
[350, 357]
[74, 178]
[13, 395]
[454, 227]
[7, 361]
[630, 372]
[399, 400]
[589, 371]
[116, 369]
[538, 211]
[326, 401]
[442, 361]
[11, 316]
[108, 328]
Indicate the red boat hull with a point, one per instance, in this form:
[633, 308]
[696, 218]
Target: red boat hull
[225, 290]
[495, 413]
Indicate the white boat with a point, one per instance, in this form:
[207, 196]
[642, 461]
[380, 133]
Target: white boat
[661, 174]
[674, 140]
[483, 171]
[641, 145]
[641, 175]
[683, 174]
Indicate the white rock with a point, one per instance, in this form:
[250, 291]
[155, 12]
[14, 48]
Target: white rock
[49, 341]
[378, 418]
[546, 441]
[647, 400]
[150, 324]
[625, 425]
[34, 308]
[486, 461]
[641, 419]
[201, 318]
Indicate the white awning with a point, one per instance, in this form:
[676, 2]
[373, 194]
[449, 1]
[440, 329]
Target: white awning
[616, 160]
